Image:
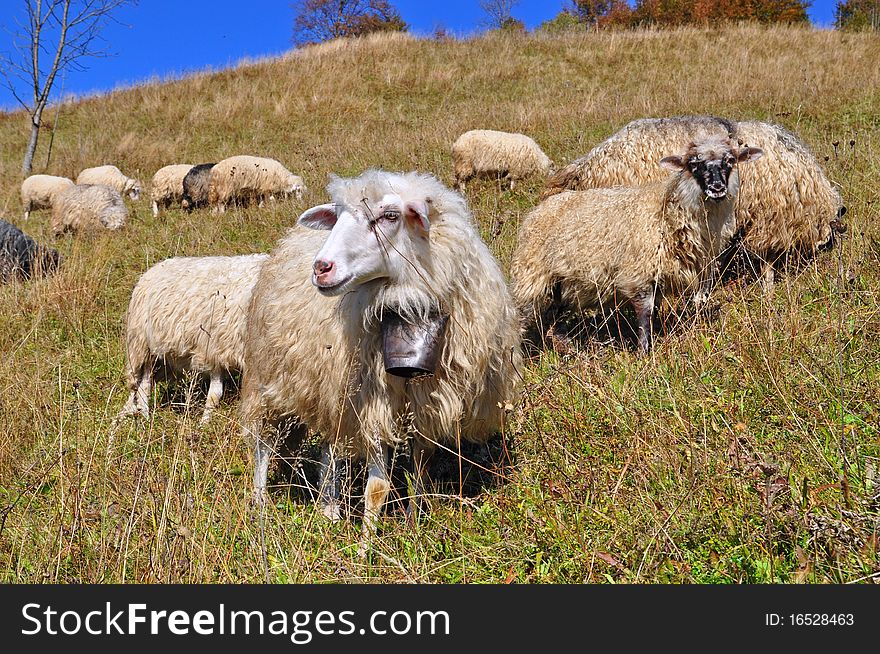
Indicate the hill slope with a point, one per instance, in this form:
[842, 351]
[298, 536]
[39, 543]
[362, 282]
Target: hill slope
[745, 448]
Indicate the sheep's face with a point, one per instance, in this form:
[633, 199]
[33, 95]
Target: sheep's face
[368, 242]
[135, 191]
[711, 163]
[295, 187]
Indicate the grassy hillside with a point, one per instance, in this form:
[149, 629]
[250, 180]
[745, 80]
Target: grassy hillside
[743, 449]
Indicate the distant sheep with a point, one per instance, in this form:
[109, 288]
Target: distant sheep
[195, 186]
[402, 243]
[605, 247]
[188, 314]
[111, 176]
[38, 191]
[166, 187]
[21, 257]
[787, 205]
[499, 154]
[85, 207]
[244, 178]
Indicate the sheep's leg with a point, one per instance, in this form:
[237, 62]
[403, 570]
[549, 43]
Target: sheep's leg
[421, 454]
[27, 213]
[215, 394]
[644, 306]
[329, 484]
[768, 277]
[262, 455]
[155, 207]
[512, 183]
[378, 486]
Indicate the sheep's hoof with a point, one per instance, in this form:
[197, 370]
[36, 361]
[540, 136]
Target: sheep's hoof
[259, 499]
[363, 548]
[332, 511]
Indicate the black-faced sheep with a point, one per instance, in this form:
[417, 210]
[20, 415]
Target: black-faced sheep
[604, 247]
[243, 178]
[399, 243]
[21, 257]
[195, 186]
[188, 314]
[111, 176]
[786, 207]
[166, 187]
[38, 191]
[498, 154]
[85, 207]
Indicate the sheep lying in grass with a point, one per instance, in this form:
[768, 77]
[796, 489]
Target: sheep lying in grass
[166, 187]
[402, 243]
[21, 257]
[787, 206]
[244, 178]
[111, 176]
[499, 154]
[38, 191]
[188, 314]
[88, 207]
[195, 186]
[604, 247]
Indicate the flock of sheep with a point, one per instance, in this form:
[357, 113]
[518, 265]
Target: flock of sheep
[655, 210]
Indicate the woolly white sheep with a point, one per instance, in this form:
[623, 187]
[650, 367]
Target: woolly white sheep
[188, 314]
[243, 178]
[787, 205]
[166, 187]
[399, 242]
[111, 176]
[37, 191]
[608, 246]
[21, 257]
[87, 207]
[489, 152]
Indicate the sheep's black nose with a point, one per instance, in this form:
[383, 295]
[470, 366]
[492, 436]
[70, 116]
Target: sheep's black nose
[323, 267]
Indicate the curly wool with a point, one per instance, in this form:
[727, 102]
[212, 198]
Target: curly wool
[490, 152]
[21, 257]
[113, 177]
[166, 187]
[188, 314]
[38, 191]
[85, 207]
[244, 178]
[787, 204]
[319, 359]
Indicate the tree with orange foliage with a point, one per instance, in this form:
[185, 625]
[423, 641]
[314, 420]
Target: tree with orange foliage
[321, 20]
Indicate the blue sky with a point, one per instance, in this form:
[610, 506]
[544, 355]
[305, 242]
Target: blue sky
[161, 38]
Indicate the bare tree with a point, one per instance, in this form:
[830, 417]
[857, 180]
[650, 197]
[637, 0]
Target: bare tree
[63, 31]
[498, 12]
[322, 20]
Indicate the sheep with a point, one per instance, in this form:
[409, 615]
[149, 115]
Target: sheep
[87, 207]
[489, 152]
[111, 176]
[787, 205]
[166, 186]
[399, 243]
[195, 186]
[188, 314]
[21, 257]
[38, 191]
[243, 178]
[608, 246]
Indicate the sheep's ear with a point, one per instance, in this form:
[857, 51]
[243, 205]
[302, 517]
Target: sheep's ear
[321, 217]
[417, 212]
[749, 154]
[673, 163]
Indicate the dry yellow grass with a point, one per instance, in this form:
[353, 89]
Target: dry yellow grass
[745, 448]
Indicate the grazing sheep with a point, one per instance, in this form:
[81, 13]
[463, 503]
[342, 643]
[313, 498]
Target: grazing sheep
[111, 176]
[402, 243]
[88, 207]
[38, 191]
[787, 205]
[243, 178]
[489, 152]
[188, 314]
[166, 187]
[604, 247]
[21, 257]
[195, 186]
